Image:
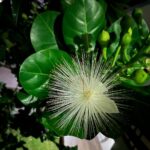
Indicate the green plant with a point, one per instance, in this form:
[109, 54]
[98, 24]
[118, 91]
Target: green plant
[81, 28]
[94, 30]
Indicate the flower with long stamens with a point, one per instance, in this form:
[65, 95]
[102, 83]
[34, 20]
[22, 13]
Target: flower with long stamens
[83, 94]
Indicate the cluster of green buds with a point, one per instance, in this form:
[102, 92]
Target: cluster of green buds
[104, 39]
[140, 75]
[128, 51]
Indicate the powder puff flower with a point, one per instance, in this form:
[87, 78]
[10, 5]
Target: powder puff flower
[83, 94]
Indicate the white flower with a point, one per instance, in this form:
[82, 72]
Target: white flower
[83, 95]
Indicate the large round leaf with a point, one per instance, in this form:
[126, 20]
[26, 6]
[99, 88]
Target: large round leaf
[83, 18]
[35, 71]
[51, 124]
[42, 33]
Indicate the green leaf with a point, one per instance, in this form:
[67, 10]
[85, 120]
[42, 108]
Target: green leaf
[32, 143]
[67, 3]
[42, 32]
[51, 125]
[5, 100]
[128, 22]
[26, 99]
[36, 144]
[15, 7]
[144, 29]
[84, 18]
[115, 28]
[103, 4]
[35, 71]
[132, 83]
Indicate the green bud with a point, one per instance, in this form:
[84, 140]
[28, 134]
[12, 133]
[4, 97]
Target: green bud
[104, 38]
[126, 39]
[147, 49]
[137, 12]
[140, 76]
[34, 5]
[137, 15]
[130, 31]
[148, 64]
[24, 16]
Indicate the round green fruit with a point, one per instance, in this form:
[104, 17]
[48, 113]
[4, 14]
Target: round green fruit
[140, 76]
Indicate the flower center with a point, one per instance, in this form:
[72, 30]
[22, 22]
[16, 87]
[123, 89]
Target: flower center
[87, 94]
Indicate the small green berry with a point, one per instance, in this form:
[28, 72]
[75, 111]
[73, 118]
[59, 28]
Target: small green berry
[126, 39]
[104, 38]
[140, 76]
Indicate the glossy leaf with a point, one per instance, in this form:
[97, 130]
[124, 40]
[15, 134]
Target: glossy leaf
[115, 29]
[50, 124]
[26, 99]
[83, 19]
[103, 4]
[42, 31]
[67, 3]
[132, 83]
[35, 71]
[144, 29]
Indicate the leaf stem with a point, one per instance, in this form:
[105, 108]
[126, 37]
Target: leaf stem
[116, 56]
